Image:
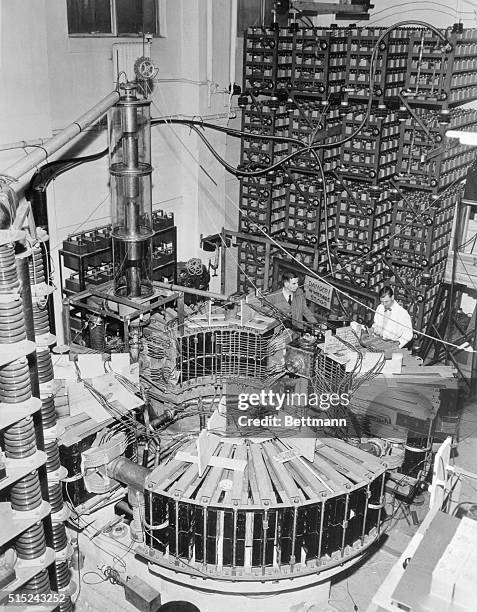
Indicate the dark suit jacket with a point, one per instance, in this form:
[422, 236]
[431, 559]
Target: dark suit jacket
[297, 311]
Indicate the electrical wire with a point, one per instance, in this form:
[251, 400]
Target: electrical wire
[399, 5]
[321, 278]
[447, 13]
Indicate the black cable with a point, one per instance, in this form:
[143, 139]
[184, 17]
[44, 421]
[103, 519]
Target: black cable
[226, 130]
[41, 179]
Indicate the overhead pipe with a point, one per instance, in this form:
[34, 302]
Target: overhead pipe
[29, 162]
[193, 291]
[23, 144]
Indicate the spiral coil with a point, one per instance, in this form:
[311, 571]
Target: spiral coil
[55, 495]
[36, 267]
[52, 456]
[8, 272]
[45, 366]
[41, 322]
[39, 584]
[59, 536]
[15, 383]
[25, 494]
[48, 413]
[62, 573]
[31, 543]
[12, 324]
[20, 439]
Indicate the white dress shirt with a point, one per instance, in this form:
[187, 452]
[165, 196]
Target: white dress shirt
[394, 324]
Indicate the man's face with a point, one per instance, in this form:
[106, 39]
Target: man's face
[387, 301]
[291, 285]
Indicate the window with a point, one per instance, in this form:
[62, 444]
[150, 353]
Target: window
[112, 17]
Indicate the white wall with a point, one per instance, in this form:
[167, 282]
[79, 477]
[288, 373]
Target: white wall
[24, 96]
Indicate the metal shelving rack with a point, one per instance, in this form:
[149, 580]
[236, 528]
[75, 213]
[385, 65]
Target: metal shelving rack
[89, 255]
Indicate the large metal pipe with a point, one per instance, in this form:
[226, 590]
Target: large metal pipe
[29, 162]
[192, 291]
[129, 473]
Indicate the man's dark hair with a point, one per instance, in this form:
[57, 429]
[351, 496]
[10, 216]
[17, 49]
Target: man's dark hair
[288, 276]
[386, 290]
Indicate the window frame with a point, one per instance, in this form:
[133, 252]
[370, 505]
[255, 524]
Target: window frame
[160, 24]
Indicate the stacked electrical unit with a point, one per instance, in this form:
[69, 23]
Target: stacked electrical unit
[89, 254]
[431, 166]
[55, 472]
[25, 525]
[395, 176]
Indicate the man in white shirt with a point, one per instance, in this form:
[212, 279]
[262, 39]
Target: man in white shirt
[391, 321]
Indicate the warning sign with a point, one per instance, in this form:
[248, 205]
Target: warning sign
[318, 292]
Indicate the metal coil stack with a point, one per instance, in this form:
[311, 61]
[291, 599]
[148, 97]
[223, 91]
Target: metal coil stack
[22, 441]
[55, 472]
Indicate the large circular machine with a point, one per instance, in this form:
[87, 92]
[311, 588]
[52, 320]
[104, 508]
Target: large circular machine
[256, 510]
[261, 511]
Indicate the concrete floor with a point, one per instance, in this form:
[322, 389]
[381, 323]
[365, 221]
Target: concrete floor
[351, 592]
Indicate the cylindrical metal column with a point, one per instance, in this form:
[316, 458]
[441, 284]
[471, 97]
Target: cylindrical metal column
[131, 194]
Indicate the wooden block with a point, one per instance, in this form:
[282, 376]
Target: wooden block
[234, 494]
[264, 486]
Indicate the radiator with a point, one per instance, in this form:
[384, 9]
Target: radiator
[124, 56]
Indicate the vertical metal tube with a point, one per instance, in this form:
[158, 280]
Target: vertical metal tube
[365, 516]
[263, 12]
[180, 314]
[345, 525]
[205, 537]
[65, 315]
[177, 531]
[264, 549]
[234, 541]
[322, 519]
[381, 503]
[292, 555]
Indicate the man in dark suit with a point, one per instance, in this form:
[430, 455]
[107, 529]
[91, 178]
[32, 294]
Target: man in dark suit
[290, 301]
